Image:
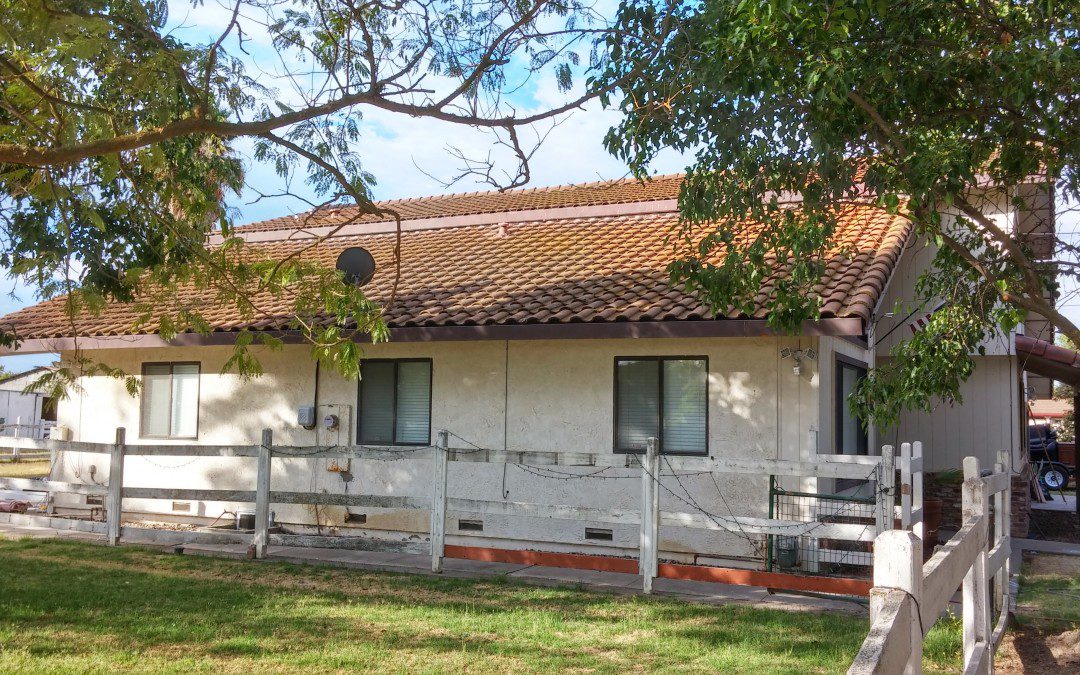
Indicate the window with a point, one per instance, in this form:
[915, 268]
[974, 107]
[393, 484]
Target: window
[851, 435]
[48, 409]
[170, 400]
[663, 397]
[395, 402]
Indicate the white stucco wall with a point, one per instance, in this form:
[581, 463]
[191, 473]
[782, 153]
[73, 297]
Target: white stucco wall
[525, 395]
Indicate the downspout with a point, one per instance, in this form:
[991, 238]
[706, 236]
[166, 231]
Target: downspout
[317, 369]
[1076, 405]
[506, 413]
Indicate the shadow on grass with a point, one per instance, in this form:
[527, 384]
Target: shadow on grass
[87, 602]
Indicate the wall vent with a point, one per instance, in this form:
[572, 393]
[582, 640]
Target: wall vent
[181, 507]
[470, 525]
[95, 500]
[598, 534]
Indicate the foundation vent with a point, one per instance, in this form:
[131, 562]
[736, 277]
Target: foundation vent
[470, 525]
[598, 534]
[95, 500]
[181, 507]
[356, 518]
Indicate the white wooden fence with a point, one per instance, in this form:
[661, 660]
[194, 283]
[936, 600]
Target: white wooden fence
[17, 429]
[14, 453]
[908, 597]
[649, 518]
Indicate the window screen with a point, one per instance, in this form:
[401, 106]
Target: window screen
[662, 397]
[851, 435]
[395, 402]
[637, 415]
[170, 400]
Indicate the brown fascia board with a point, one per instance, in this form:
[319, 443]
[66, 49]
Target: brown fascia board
[732, 328]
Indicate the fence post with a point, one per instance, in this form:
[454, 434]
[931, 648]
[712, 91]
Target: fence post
[15, 454]
[650, 514]
[438, 502]
[654, 468]
[262, 496]
[50, 505]
[976, 615]
[886, 501]
[898, 565]
[1001, 535]
[919, 526]
[905, 486]
[114, 506]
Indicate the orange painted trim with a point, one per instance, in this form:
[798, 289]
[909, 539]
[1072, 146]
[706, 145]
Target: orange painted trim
[777, 580]
[722, 575]
[574, 561]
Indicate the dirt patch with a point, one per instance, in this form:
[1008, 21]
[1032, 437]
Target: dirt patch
[1054, 526]
[162, 525]
[1035, 651]
[1046, 635]
[1044, 563]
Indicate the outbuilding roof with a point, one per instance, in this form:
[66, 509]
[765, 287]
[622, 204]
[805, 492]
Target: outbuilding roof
[589, 254]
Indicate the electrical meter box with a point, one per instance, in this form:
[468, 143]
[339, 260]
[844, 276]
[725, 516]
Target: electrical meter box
[305, 416]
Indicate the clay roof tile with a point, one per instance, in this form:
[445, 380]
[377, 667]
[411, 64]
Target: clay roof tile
[579, 269]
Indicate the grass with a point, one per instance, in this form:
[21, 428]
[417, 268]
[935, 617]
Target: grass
[26, 469]
[77, 607]
[1050, 592]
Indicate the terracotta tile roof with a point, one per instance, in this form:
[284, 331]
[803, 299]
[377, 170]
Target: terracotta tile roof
[1045, 358]
[600, 193]
[589, 269]
[1054, 408]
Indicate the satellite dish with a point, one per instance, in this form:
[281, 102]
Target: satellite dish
[357, 265]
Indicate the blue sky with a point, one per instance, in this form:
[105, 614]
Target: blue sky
[392, 148]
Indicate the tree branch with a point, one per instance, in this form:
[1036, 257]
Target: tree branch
[11, 153]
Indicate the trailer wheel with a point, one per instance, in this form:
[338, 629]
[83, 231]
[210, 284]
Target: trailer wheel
[1054, 476]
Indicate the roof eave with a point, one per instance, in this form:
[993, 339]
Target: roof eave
[731, 328]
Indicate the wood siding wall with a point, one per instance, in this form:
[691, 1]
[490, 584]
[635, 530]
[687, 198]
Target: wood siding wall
[986, 421]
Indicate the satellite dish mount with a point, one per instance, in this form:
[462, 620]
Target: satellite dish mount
[357, 265]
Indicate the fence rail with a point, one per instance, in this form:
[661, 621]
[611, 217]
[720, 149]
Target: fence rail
[17, 429]
[908, 596]
[649, 517]
[12, 452]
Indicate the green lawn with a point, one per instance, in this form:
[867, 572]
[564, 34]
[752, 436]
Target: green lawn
[78, 607]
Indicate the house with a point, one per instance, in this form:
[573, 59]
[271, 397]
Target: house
[531, 320]
[23, 413]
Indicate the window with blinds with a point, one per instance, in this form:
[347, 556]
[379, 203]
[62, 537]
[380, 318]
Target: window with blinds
[394, 402]
[170, 400]
[663, 397]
